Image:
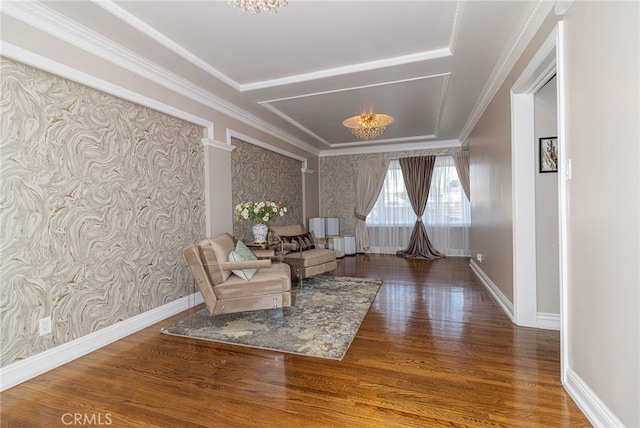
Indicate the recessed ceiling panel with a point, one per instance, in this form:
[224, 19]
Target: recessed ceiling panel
[415, 104]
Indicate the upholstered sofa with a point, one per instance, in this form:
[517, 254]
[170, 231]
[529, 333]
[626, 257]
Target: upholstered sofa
[304, 261]
[226, 292]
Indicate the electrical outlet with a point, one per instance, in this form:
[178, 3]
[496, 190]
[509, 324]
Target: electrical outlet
[480, 257]
[45, 326]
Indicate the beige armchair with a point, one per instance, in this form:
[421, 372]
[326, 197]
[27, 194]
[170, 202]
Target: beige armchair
[304, 262]
[225, 292]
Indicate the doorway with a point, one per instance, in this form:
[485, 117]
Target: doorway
[537, 74]
[546, 63]
[546, 206]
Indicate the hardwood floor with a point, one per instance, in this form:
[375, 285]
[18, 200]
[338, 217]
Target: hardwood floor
[434, 350]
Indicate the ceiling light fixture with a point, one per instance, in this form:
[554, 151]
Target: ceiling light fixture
[369, 125]
[257, 6]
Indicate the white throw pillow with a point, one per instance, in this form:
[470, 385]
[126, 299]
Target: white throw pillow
[242, 253]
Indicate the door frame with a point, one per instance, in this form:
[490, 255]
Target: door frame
[546, 63]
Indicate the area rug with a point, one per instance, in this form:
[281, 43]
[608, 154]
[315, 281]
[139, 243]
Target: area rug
[323, 320]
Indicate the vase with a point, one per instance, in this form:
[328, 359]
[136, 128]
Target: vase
[260, 233]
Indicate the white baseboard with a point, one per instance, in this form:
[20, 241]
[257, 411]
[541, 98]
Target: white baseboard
[548, 321]
[33, 366]
[593, 408]
[493, 290]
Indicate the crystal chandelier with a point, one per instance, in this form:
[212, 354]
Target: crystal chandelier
[368, 126]
[256, 6]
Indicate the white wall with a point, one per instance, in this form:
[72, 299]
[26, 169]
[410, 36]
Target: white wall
[547, 237]
[602, 46]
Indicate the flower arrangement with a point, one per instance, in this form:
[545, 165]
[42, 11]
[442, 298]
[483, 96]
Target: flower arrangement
[260, 212]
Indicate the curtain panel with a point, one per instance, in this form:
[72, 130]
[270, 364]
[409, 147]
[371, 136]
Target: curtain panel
[369, 176]
[461, 161]
[417, 172]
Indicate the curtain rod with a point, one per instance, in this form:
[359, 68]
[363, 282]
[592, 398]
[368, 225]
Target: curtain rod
[443, 154]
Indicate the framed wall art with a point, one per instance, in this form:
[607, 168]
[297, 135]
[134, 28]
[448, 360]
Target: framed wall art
[549, 154]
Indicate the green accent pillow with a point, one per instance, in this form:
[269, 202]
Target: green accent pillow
[242, 253]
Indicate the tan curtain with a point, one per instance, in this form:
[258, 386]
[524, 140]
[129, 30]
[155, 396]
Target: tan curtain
[461, 161]
[369, 177]
[417, 172]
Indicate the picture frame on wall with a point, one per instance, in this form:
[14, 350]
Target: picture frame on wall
[548, 158]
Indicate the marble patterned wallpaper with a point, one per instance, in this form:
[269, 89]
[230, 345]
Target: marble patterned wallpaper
[258, 175]
[98, 198]
[337, 186]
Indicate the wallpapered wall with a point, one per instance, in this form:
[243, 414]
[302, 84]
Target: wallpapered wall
[258, 174]
[337, 185]
[99, 196]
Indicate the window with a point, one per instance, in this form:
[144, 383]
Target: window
[446, 217]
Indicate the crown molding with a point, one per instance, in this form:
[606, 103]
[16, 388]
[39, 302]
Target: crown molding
[156, 35]
[61, 27]
[370, 65]
[279, 113]
[355, 88]
[37, 61]
[443, 99]
[455, 31]
[419, 145]
[349, 69]
[418, 139]
[528, 26]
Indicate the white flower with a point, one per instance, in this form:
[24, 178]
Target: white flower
[260, 212]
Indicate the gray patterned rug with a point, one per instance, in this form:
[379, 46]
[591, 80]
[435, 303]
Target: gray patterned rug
[322, 322]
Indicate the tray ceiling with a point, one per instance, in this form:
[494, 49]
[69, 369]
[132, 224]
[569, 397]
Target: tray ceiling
[314, 63]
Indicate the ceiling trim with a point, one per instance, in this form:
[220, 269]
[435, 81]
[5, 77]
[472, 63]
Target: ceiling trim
[415, 139]
[443, 98]
[156, 35]
[453, 41]
[518, 41]
[355, 88]
[422, 145]
[34, 60]
[295, 123]
[370, 65]
[63, 28]
[349, 69]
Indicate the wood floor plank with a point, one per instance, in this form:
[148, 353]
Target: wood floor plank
[434, 350]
